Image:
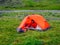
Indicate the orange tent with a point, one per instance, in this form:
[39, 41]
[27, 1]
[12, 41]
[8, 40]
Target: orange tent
[35, 21]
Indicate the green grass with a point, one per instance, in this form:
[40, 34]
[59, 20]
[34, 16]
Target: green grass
[9, 36]
[30, 5]
[49, 7]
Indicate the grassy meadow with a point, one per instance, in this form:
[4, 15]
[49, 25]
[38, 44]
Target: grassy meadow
[9, 36]
[30, 5]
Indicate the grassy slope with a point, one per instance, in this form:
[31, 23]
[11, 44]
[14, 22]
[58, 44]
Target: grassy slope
[30, 4]
[8, 34]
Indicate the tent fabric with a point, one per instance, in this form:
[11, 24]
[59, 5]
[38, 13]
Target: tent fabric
[32, 21]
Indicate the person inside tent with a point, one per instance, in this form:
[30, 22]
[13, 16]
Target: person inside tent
[30, 24]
